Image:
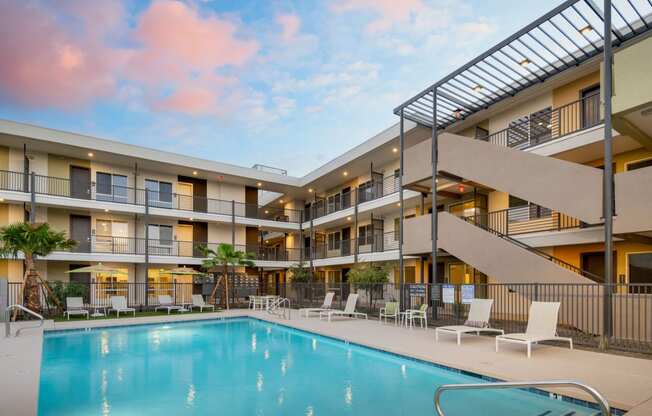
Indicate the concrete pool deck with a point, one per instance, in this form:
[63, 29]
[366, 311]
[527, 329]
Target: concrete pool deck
[626, 382]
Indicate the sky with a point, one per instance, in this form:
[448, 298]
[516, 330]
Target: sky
[290, 84]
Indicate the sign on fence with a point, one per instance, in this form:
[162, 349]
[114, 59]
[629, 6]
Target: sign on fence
[448, 293]
[417, 290]
[468, 293]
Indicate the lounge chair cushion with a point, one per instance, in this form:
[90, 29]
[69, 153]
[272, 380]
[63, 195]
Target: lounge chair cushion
[477, 324]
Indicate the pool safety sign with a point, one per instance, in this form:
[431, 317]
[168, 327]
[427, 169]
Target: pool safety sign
[417, 290]
[468, 293]
[448, 293]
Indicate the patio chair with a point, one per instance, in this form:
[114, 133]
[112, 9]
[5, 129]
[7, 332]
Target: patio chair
[349, 309]
[389, 311]
[541, 326]
[420, 314]
[476, 322]
[165, 302]
[326, 306]
[119, 304]
[75, 306]
[198, 302]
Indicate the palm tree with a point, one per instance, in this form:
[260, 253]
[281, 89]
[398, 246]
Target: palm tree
[32, 240]
[225, 255]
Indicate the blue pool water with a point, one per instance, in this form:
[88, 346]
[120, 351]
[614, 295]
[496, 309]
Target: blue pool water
[248, 367]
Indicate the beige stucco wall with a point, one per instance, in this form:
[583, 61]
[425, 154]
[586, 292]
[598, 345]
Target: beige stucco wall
[632, 81]
[501, 120]
[59, 166]
[573, 90]
[225, 191]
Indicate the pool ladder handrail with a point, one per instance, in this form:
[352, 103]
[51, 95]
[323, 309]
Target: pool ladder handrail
[605, 409]
[24, 309]
[283, 304]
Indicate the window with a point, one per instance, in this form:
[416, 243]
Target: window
[334, 276]
[590, 106]
[639, 164]
[397, 228]
[334, 241]
[639, 269]
[110, 187]
[397, 174]
[334, 202]
[160, 239]
[112, 236]
[365, 235]
[159, 193]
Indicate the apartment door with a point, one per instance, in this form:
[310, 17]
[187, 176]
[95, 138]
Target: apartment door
[80, 231]
[184, 240]
[80, 182]
[378, 233]
[184, 193]
[346, 241]
[594, 263]
[590, 106]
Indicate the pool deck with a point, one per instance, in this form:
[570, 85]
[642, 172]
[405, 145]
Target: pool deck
[626, 382]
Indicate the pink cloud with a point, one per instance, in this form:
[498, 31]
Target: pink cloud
[290, 25]
[177, 42]
[388, 12]
[43, 62]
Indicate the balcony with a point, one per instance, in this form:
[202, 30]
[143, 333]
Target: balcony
[542, 127]
[342, 248]
[48, 186]
[370, 191]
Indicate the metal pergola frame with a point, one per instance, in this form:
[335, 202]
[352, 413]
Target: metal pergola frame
[565, 37]
[569, 35]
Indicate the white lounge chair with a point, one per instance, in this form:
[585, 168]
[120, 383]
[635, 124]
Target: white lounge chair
[198, 302]
[75, 306]
[326, 306]
[349, 309]
[165, 302]
[541, 326]
[476, 322]
[390, 310]
[119, 304]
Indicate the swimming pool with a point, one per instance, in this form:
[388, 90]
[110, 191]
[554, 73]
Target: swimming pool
[249, 367]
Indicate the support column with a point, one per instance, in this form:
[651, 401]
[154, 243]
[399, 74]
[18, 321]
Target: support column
[312, 246]
[401, 272]
[233, 223]
[32, 198]
[301, 238]
[433, 185]
[354, 234]
[608, 176]
[146, 221]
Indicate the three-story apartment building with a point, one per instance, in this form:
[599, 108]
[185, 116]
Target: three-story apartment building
[518, 181]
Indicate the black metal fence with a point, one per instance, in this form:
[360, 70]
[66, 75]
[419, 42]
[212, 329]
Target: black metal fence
[581, 315]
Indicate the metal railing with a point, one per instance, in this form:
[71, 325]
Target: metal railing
[377, 243]
[525, 219]
[551, 124]
[67, 188]
[605, 409]
[369, 191]
[487, 226]
[27, 311]
[280, 307]
[581, 312]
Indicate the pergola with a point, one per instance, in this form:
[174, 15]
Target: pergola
[571, 34]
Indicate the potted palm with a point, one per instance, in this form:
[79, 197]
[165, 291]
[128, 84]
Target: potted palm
[224, 256]
[33, 241]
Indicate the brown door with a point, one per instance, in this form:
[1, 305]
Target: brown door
[80, 182]
[80, 231]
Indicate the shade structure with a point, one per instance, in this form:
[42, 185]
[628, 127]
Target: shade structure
[97, 268]
[567, 36]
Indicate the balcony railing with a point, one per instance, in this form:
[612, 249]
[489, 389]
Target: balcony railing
[176, 248]
[367, 192]
[371, 244]
[67, 188]
[548, 125]
[525, 219]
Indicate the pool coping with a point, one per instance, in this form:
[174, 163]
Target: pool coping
[176, 319]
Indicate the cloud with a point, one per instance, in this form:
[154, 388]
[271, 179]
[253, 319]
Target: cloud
[290, 25]
[46, 63]
[387, 13]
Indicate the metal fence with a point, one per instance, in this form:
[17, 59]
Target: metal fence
[581, 314]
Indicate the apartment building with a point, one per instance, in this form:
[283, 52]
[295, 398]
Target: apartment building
[518, 182]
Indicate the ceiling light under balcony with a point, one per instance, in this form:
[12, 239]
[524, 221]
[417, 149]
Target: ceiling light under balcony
[310, 190]
[525, 62]
[348, 218]
[281, 201]
[478, 88]
[394, 150]
[90, 154]
[345, 173]
[259, 184]
[586, 29]
[106, 210]
[194, 172]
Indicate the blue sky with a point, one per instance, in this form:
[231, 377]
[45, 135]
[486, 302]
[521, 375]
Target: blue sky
[290, 84]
